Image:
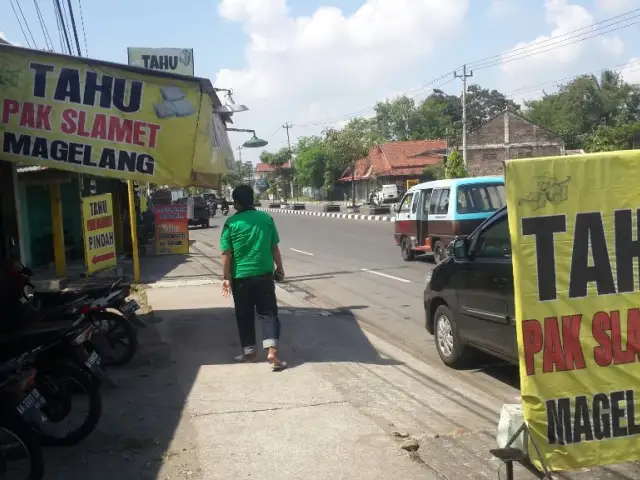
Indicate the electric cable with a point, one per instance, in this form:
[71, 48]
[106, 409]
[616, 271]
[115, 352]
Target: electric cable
[75, 30]
[43, 25]
[597, 29]
[29, 39]
[84, 33]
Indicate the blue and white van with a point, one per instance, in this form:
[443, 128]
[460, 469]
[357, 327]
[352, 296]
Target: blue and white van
[432, 214]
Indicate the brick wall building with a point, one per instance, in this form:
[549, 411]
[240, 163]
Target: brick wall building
[508, 136]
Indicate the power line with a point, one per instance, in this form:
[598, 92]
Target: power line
[43, 26]
[84, 33]
[62, 26]
[75, 30]
[556, 38]
[24, 33]
[548, 44]
[26, 24]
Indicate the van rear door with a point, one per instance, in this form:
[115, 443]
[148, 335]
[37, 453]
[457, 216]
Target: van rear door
[422, 217]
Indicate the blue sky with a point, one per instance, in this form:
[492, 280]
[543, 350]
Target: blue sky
[313, 63]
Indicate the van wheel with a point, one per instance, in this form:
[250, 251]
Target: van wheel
[405, 250]
[438, 252]
[449, 347]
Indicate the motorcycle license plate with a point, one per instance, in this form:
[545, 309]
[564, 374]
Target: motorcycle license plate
[93, 362]
[130, 307]
[33, 401]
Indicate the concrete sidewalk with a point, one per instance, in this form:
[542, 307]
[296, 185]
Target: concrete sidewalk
[253, 423]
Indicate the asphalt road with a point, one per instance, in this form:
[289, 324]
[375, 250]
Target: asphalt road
[355, 265]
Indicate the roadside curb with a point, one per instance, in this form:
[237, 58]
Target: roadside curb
[350, 216]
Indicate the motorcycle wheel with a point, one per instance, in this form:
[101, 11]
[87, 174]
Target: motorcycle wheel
[59, 384]
[16, 429]
[115, 331]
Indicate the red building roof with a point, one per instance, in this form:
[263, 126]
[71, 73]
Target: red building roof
[266, 168]
[397, 159]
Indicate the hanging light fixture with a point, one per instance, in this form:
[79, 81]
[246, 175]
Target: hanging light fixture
[230, 106]
[254, 141]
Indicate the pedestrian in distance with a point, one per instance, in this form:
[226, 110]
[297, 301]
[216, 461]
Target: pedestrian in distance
[249, 246]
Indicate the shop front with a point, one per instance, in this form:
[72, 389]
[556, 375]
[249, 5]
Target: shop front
[67, 118]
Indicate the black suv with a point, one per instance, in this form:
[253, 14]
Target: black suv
[468, 298]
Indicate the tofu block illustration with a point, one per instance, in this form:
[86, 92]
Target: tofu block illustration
[180, 108]
[172, 94]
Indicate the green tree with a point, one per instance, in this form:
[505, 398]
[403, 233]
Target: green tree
[345, 148]
[283, 174]
[483, 104]
[454, 166]
[237, 175]
[312, 157]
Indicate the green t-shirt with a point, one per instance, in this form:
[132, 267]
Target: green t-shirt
[250, 235]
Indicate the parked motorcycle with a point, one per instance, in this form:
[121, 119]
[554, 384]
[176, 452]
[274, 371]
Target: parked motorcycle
[61, 377]
[18, 441]
[117, 338]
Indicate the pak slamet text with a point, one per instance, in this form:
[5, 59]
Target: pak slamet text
[590, 253]
[583, 418]
[558, 341]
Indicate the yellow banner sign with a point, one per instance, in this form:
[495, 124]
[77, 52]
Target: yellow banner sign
[99, 237]
[575, 230]
[71, 114]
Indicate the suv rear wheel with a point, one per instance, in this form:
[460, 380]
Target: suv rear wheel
[449, 347]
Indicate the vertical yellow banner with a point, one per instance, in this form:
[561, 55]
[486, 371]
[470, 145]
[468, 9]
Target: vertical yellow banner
[574, 226]
[98, 233]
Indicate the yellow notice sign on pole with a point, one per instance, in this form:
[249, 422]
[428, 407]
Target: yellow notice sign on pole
[99, 237]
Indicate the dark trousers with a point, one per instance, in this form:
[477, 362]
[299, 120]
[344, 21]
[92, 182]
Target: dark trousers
[256, 294]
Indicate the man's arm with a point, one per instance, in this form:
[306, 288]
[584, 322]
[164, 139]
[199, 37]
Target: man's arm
[226, 247]
[277, 257]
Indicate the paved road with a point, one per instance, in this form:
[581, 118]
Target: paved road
[355, 265]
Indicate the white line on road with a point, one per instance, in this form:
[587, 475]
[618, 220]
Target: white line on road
[303, 252]
[404, 280]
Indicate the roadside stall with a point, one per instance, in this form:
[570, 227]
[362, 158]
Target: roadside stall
[109, 120]
[574, 224]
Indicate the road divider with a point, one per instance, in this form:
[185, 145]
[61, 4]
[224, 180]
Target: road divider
[350, 216]
[403, 280]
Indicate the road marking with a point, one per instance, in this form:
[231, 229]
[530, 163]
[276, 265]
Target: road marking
[404, 280]
[303, 252]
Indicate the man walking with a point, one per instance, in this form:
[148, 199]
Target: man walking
[249, 245]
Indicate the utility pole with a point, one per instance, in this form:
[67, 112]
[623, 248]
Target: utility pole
[239, 148]
[464, 77]
[287, 126]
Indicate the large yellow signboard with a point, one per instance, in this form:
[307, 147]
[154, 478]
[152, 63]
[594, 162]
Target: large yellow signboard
[575, 230]
[65, 113]
[99, 237]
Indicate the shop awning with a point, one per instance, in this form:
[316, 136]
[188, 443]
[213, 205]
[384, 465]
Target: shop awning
[111, 120]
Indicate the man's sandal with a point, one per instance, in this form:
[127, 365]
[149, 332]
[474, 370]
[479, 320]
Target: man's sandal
[278, 367]
[246, 359]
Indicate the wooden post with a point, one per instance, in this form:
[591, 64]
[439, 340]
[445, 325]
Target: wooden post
[134, 232]
[59, 253]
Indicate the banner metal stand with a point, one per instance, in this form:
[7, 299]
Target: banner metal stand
[509, 455]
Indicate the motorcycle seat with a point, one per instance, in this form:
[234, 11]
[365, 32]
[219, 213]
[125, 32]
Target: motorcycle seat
[20, 340]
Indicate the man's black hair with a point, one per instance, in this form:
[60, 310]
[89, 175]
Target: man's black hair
[243, 196]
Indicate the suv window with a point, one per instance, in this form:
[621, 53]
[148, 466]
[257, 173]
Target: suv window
[494, 242]
[406, 202]
[443, 202]
[480, 198]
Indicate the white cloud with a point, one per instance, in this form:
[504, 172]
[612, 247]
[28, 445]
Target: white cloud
[631, 73]
[546, 59]
[563, 17]
[612, 46]
[320, 61]
[616, 6]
